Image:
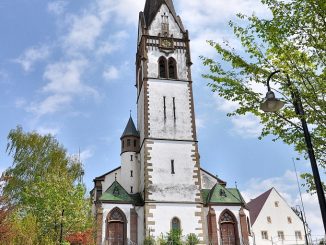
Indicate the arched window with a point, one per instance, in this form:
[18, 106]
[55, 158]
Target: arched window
[176, 224]
[172, 68]
[162, 67]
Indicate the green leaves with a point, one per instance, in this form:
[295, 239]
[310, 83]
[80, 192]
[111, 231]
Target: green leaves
[43, 181]
[293, 41]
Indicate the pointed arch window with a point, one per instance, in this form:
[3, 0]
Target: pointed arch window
[162, 67]
[176, 224]
[172, 68]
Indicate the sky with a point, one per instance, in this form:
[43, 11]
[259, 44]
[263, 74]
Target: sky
[67, 68]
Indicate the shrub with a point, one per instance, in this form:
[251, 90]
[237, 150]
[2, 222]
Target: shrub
[192, 239]
[149, 240]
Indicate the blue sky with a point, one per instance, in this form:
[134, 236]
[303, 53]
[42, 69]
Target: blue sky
[67, 68]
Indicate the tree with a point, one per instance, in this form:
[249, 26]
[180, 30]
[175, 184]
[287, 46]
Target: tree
[6, 210]
[45, 183]
[293, 40]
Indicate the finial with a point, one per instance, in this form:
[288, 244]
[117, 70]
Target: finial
[115, 177]
[236, 184]
[130, 113]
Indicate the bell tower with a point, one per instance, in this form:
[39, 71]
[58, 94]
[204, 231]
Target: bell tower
[169, 161]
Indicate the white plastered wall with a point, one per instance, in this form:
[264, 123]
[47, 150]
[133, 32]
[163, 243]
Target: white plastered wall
[164, 213]
[109, 179]
[126, 167]
[279, 221]
[170, 187]
[207, 181]
[181, 128]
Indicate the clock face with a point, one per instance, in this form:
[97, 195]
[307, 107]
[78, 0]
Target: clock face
[167, 43]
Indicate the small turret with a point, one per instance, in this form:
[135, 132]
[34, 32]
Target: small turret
[130, 138]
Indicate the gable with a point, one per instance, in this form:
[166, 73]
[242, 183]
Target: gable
[154, 28]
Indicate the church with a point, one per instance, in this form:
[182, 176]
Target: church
[160, 185]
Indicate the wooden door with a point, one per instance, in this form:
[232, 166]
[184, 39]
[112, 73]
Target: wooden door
[228, 234]
[116, 235]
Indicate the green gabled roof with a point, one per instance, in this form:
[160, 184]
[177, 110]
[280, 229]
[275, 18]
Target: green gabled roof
[221, 195]
[116, 193]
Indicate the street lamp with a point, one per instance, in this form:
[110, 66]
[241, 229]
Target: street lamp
[272, 104]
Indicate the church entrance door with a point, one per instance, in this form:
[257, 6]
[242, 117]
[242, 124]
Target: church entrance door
[228, 234]
[116, 236]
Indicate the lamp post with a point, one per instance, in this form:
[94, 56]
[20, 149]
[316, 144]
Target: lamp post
[272, 104]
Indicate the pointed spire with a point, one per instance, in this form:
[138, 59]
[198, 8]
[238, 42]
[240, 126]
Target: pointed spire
[153, 6]
[130, 129]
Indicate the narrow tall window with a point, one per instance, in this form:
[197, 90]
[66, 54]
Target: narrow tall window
[162, 67]
[174, 115]
[164, 107]
[165, 24]
[131, 173]
[280, 235]
[172, 167]
[123, 144]
[135, 143]
[289, 220]
[298, 235]
[131, 157]
[172, 68]
[276, 204]
[131, 189]
[128, 142]
[176, 224]
[269, 219]
[264, 235]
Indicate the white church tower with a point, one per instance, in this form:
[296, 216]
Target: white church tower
[170, 170]
[160, 185]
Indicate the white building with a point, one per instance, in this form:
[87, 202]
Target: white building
[273, 220]
[160, 185]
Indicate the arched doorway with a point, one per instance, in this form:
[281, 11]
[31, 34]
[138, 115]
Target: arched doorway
[116, 230]
[228, 229]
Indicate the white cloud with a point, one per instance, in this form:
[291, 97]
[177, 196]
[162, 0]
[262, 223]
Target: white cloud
[286, 185]
[86, 154]
[111, 73]
[247, 126]
[48, 130]
[33, 55]
[57, 7]
[51, 104]
[65, 77]
[83, 32]
[20, 103]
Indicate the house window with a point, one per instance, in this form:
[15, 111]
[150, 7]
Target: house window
[162, 67]
[131, 157]
[289, 220]
[131, 173]
[264, 235]
[128, 142]
[123, 144]
[276, 204]
[135, 143]
[172, 167]
[176, 224]
[172, 68]
[131, 189]
[269, 219]
[280, 235]
[298, 235]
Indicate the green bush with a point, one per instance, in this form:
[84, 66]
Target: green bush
[192, 239]
[149, 240]
[174, 237]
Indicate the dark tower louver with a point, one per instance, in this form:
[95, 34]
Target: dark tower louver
[153, 6]
[130, 138]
